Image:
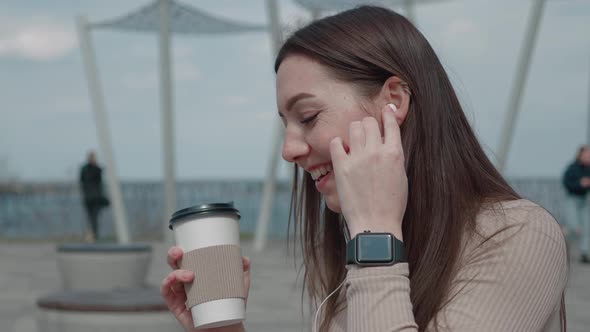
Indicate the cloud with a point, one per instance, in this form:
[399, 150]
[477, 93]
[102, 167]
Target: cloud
[140, 80]
[183, 64]
[465, 36]
[184, 50]
[39, 39]
[237, 101]
[150, 78]
[72, 105]
[259, 48]
[185, 70]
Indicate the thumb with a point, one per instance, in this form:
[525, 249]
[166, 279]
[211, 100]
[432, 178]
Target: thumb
[246, 263]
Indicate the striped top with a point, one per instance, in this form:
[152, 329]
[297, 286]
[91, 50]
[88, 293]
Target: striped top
[512, 283]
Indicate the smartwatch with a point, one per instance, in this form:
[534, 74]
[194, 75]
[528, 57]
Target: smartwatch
[374, 249]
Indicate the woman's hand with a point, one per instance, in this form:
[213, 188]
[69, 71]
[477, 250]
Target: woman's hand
[172, 290]
[371, 179]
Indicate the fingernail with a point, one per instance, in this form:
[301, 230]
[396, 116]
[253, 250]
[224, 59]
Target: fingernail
[187, 274]
[393, 107]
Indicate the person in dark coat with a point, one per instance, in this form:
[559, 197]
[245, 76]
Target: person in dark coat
[576, 181]
[92, 192]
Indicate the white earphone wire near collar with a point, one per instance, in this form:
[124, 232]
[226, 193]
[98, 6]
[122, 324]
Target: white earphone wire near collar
[315, 320]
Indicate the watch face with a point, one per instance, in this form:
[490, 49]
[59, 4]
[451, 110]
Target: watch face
[375, 248]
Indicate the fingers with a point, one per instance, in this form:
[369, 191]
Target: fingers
[174, 255]
[362, 134]
[246, 263]
[337, 152]
[174, 282]
[177, 288]
[172, 290]
[356, 136]
[372, 132]
[391, 130]
[172, 287]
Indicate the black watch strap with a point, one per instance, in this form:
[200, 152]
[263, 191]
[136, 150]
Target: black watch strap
[398, 251]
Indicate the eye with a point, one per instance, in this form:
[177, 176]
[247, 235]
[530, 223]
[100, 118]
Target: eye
[309, 119]
[283, 120]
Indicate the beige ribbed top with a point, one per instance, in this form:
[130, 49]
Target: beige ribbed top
[512, 283]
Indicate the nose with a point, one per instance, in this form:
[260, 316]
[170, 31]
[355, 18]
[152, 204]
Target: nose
[294, 146]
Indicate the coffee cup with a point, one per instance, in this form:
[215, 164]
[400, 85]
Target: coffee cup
[209, 236]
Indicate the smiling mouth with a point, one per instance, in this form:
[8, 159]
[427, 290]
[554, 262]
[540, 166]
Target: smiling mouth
[321, 177]
[320, 172]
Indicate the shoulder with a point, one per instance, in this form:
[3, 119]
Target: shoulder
[519, 231]
[519, 238]
[574, 166]
[514, 267]
[84, 170]
[517, 216]
[94, 168]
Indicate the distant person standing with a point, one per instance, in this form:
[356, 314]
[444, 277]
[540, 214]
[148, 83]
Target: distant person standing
[93, 195]
[576, 180]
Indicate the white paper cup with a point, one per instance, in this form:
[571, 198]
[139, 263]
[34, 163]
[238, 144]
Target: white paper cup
[203, 226]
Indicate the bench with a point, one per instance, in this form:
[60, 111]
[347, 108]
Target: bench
[133, 310]
[103, 266]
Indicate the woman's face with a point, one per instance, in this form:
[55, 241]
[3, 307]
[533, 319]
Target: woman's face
[315, 108]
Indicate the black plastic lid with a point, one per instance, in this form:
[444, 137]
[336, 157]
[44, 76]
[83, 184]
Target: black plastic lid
[204, 209]
[103, 247]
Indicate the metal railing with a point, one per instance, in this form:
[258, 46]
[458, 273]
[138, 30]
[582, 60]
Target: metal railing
[54, 211]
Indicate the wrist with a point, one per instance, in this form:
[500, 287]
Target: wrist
[375, 249]
[396, 231]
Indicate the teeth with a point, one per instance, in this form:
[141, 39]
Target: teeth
[318, 172]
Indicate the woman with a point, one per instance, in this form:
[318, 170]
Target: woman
[381, 144]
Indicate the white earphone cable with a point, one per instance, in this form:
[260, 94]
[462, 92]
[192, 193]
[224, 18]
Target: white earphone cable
[315, 320]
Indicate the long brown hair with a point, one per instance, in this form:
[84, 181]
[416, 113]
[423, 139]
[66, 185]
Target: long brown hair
[449, 175]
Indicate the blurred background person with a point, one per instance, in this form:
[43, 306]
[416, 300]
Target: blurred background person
[93, 195]
[576, 180]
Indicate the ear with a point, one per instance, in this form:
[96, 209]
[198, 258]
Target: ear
[395, 91]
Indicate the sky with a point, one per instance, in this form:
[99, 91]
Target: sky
[224, 97]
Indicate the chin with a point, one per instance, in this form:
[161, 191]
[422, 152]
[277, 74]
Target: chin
[333, 204]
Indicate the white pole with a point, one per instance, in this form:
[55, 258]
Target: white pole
[272, 10]
[168, 153]
[519, 82]
[588, 129]
[102, 128]
[274, 158]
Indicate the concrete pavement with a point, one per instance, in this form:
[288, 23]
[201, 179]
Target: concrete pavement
[28, 271]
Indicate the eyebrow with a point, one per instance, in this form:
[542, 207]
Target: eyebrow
[293, 100]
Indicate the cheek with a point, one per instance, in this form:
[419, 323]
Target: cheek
[334, 125]
[320, 140]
